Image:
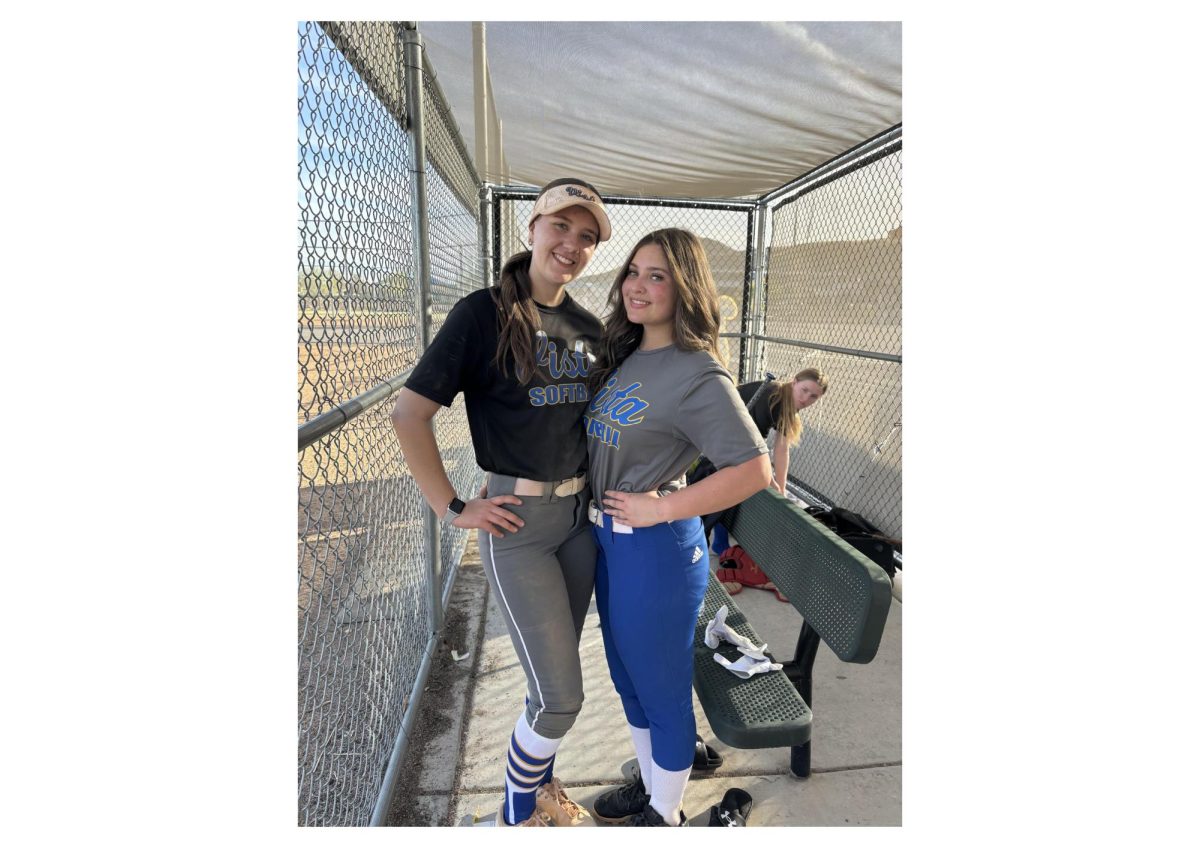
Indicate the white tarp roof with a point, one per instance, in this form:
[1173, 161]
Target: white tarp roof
[674, 109]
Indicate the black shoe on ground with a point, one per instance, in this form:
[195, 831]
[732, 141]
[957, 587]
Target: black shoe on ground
[618, 805]
[733, 810]
[649, 817]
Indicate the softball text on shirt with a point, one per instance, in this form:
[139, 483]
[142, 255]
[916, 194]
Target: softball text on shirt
[529, 430]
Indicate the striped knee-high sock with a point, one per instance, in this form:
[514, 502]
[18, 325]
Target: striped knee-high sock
[530, 764]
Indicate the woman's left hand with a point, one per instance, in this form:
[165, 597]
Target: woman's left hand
[637, 509]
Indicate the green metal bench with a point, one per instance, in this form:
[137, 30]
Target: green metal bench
[843, 597]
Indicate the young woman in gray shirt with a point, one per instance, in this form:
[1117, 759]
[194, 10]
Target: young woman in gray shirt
[660, 398]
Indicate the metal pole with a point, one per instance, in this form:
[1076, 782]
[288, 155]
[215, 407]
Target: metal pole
[849, 351]
[412, 78]
[479, 60]
[759, 307]
[485, 231]
[743, 375]
[479, 56]
[497, 214]
[411, 51]
[884, 138]
[327, 422]
[799, 670]
[505, 192]
[400, 747]
[503, 161]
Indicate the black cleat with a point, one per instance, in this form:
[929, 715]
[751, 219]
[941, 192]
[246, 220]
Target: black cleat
[619, 805]
[649, 817]
[733, 810]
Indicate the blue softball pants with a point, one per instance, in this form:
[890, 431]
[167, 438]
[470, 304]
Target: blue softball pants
[649, 588]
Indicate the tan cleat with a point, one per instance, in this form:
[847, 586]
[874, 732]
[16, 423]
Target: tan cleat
[538, 819]
[562, 811]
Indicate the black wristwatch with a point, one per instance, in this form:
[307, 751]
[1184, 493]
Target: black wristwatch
[454, 510]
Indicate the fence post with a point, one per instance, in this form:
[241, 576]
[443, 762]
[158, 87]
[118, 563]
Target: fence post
[495, 242]
[756, 310]
[486, 247]
[413, 73]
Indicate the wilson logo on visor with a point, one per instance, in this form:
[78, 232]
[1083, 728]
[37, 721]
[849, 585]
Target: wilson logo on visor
[581, 194]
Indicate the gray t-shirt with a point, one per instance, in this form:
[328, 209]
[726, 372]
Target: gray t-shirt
[659, 411]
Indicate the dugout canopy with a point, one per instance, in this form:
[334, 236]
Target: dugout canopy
[667, 109]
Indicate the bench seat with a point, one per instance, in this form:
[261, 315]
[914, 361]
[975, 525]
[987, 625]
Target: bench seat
[842, 597]
[765, 711]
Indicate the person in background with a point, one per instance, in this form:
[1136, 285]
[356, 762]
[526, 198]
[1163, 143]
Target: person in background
[660, 397]
[520, 353]
[773, 405]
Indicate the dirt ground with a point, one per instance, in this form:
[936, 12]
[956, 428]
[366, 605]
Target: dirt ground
[447, 699]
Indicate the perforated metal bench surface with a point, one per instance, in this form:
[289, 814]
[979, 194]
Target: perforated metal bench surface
[765, 711]
[840, 593]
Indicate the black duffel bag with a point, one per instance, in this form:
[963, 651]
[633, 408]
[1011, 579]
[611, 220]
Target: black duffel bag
[860, 534]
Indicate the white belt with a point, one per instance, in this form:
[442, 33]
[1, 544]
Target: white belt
[597, 516]
[560, 488]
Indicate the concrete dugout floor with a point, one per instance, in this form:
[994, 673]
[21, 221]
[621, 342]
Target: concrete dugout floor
[453, 774]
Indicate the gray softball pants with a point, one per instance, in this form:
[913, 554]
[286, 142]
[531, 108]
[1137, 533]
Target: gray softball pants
[543, 576]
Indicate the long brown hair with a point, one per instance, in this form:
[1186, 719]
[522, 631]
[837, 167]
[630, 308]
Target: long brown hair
[516, 309]
[697, 315]
[518, 316]
[783, 403]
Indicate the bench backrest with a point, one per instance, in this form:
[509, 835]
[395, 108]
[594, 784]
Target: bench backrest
[841, 594]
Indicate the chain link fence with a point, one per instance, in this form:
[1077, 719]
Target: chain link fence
[364, 608]
[833, 302]
[831, 289]
[824, 292]
[455, 268]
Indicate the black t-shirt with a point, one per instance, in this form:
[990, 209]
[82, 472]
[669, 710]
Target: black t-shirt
[761, 411]
[532, 431]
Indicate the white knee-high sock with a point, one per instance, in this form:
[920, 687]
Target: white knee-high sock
[530, 758]
[667, 796]
[641, 745]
